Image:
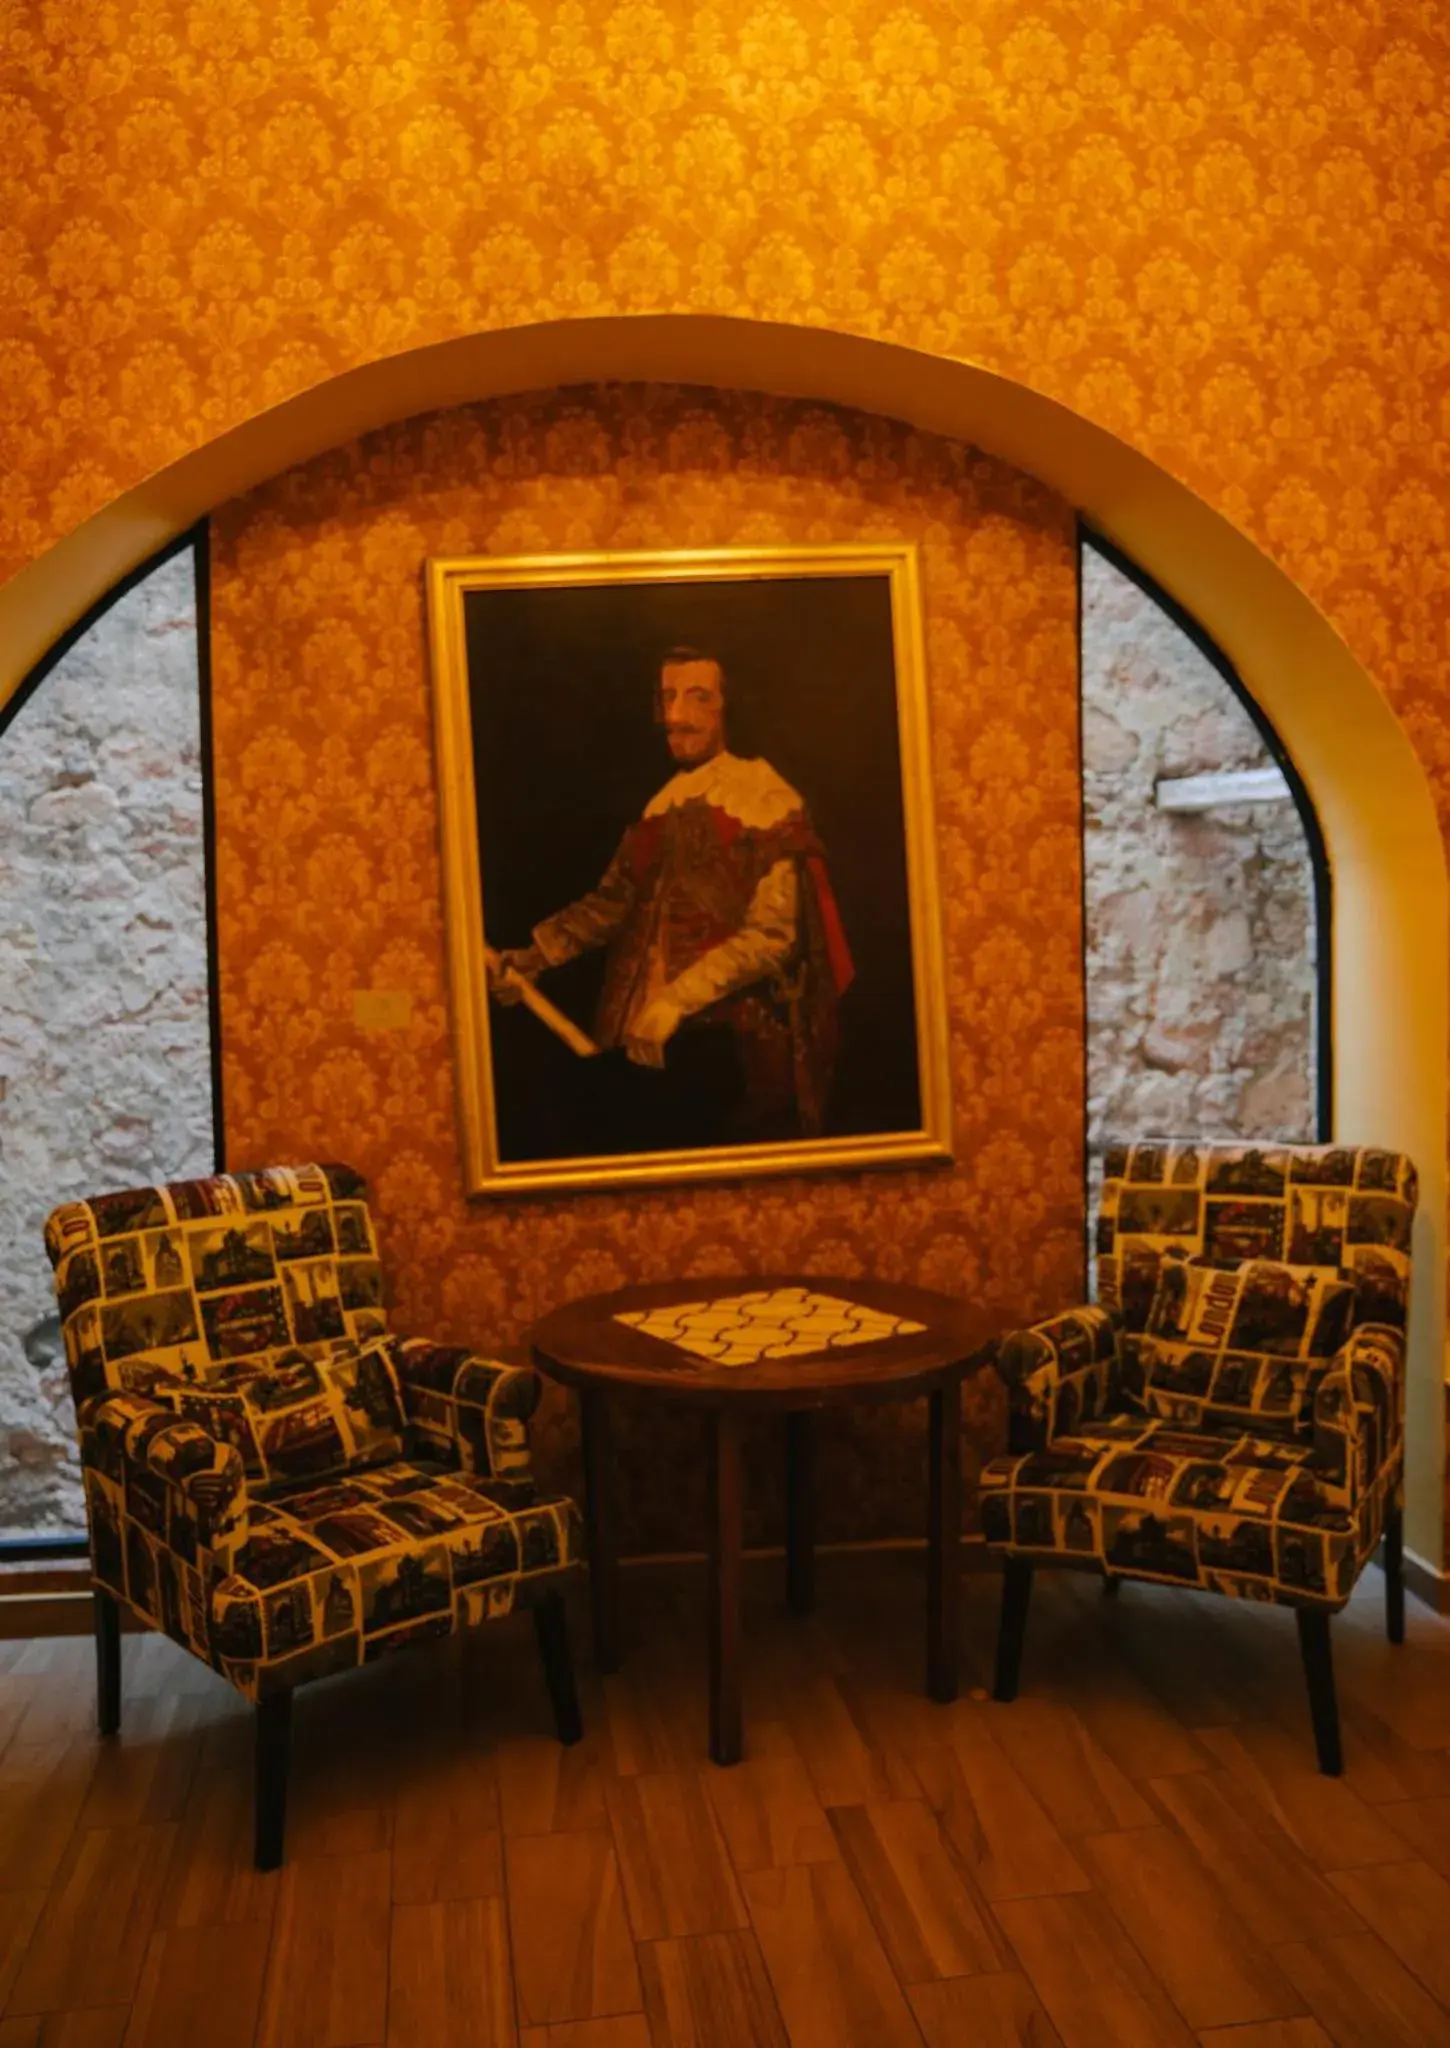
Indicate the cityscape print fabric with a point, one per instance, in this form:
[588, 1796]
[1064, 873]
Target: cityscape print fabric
[341, 1574]
[298, 1415]
[1346, 1210]
[272, 1477]
[201, 1276]
[1230, 1414]
[1247, 1345]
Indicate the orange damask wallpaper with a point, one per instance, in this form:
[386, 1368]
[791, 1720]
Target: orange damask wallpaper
[1219, 230]
[328, 876]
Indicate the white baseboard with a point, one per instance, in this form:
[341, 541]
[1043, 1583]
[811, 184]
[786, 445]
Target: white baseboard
[1427, 1582]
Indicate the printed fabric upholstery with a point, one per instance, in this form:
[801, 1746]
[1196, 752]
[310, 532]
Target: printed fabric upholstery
[1347, 1210]
[461, 1405]
[341, 1574]
[1215, 1509]
[201, 1274]
[1246, 1433]
[1059, 1373]
[151, 1475]
[1245, 1346]
[272, 1477]
[302, 1415]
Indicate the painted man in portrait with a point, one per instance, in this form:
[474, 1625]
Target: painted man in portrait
[725, 954]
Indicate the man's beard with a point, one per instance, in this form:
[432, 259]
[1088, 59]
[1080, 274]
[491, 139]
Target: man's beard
[690, 749]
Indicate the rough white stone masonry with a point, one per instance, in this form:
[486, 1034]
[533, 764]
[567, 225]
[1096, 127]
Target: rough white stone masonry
[104, 1042]
[1200, 927]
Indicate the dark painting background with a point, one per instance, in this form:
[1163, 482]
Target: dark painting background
[567, 754]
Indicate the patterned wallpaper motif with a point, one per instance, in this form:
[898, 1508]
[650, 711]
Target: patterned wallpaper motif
[1220, 231]
[328, 874]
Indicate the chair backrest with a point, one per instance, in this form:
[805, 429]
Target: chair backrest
[196, 1275]
[1344, 1209]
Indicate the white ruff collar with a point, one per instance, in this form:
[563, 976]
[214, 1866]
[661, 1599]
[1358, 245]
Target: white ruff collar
[749, 791]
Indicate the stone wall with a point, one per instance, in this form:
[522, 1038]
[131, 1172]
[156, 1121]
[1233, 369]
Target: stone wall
[104, 1041]
[1200, 927]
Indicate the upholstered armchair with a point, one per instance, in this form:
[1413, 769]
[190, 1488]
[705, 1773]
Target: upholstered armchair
[272, 1477]
[1229, 1415]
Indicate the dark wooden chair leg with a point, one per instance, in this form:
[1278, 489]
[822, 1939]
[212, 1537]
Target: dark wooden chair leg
[800, 1576]
[1319, 1671]
[551, 1626]
[108, 1660]
[1111, 1586]
[1016, 1593]
[269, 1781]
[1395, 1575]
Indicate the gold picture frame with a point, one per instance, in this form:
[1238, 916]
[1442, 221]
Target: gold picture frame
[491, 619]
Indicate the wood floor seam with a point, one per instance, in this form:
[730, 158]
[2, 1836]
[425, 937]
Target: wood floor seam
[1095, 1865]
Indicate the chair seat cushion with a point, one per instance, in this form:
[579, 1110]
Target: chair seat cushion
[1241, 1348]
[1214, 1508]
[336, 1575]
[307, 1415]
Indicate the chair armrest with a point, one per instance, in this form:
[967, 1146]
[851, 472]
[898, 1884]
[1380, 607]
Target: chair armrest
[1058, 1374]
[167, 1476]
[1359, 1416]
[467, 1404]
[94, 1382]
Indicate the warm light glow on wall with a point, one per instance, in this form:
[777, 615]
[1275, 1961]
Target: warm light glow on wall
[1217, 233]
[1212, 232]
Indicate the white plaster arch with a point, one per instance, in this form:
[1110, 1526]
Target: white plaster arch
[1391, 997]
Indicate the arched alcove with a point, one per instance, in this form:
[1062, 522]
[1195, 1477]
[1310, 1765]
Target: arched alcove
[1206, 891]
[105, 1039]
[1390, 896]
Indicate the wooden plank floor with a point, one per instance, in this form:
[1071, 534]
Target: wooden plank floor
[1139, 1851]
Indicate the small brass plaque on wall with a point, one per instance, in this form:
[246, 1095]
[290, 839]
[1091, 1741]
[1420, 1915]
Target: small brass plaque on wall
[382, 1009]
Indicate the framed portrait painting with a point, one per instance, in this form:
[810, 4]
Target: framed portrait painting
[689, 865]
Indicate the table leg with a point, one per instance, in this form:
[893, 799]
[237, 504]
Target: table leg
[944, 1529]
[599, 1525]
[800, 1557]
[726, 1504]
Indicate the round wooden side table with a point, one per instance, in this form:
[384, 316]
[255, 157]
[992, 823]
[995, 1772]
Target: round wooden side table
[738, 1345]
